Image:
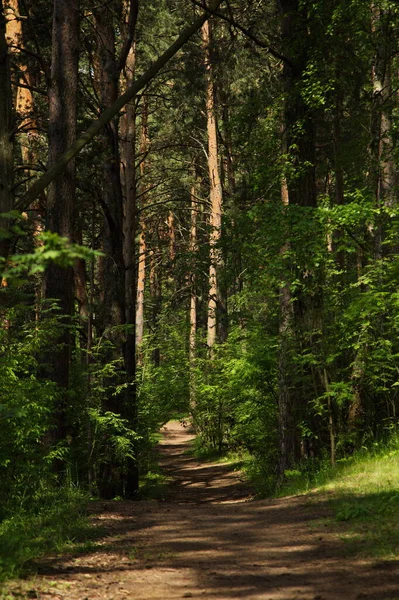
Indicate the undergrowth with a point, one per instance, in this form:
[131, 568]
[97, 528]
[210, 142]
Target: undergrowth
[54, 521]
[363, 492]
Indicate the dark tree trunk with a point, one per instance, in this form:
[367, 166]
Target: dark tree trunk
[128, 126]
[113, 311]
[59, 283]
[6, 143]
[299, 310]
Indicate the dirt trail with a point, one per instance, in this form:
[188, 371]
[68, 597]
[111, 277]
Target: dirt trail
[211, 541]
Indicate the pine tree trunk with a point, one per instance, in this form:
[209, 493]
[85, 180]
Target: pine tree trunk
[299, 311]
[216, 196]
[6, 143]
[383, 169]
[156, 301]
[113, 311]
[193, 302]
[141, 274]
[128, 127]
[59, 283]
[24, 103]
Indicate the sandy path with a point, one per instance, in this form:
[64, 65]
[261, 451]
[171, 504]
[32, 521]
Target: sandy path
[210, 540]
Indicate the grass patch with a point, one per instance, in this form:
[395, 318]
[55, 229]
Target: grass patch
[154, 486]
[54, 522]
[236, 458]
[363, 492]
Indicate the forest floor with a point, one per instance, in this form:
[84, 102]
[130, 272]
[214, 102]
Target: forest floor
[209, 539]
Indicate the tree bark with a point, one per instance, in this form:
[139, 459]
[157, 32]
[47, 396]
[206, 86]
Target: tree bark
[193, 247]
[6, 142]
[113, 312]
[141, 274]
[24, 103]
[298, 309]
[216, 195]
[128, 127]
[59, 282]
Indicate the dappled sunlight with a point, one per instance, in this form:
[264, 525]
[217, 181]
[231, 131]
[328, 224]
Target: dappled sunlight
[201, 544]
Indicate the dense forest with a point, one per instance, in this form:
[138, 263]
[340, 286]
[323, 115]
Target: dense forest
[199, 216]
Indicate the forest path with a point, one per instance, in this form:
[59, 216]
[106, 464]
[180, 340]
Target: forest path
[210, 541]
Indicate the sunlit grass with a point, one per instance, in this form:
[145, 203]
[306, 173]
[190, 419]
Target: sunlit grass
[363, 492]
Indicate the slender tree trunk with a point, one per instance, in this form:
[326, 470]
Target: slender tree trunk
[287, 424]
[128, 127]
[216, 196]
[6, 141]
[383, 170]
[156, 300]
[193, 301]
[144, 149]
[81, 282]
[172, 237]
[24, 103]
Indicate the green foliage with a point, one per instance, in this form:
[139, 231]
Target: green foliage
[51, 248]
[53, 521]
[234, 404]
[27, 400]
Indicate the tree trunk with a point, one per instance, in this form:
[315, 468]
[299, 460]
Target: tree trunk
[59, 283]
[193, 302]
[383, 170]
[113, 312]
[144, 149]
[128, 127]
[24, 103]
[156, 301]
[298, 309]
[6, 142]
[216, 196]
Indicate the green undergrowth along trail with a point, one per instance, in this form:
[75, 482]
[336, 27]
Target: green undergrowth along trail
[363, 492]
[54, 522]
[154, 484]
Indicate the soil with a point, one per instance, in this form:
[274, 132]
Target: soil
[209, 539]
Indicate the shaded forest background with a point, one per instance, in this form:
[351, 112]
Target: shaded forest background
[222, 241]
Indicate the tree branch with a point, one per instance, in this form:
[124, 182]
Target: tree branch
[248, 33]
[109, 113]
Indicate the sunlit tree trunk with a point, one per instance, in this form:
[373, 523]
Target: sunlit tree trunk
[216, 195]
[6, 141]
[172, 236]
[24, 103]
[144, 149]
[287, 435]
[193, 300]
[156, 300]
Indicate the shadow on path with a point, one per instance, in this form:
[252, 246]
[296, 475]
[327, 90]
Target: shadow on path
[211, 541]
